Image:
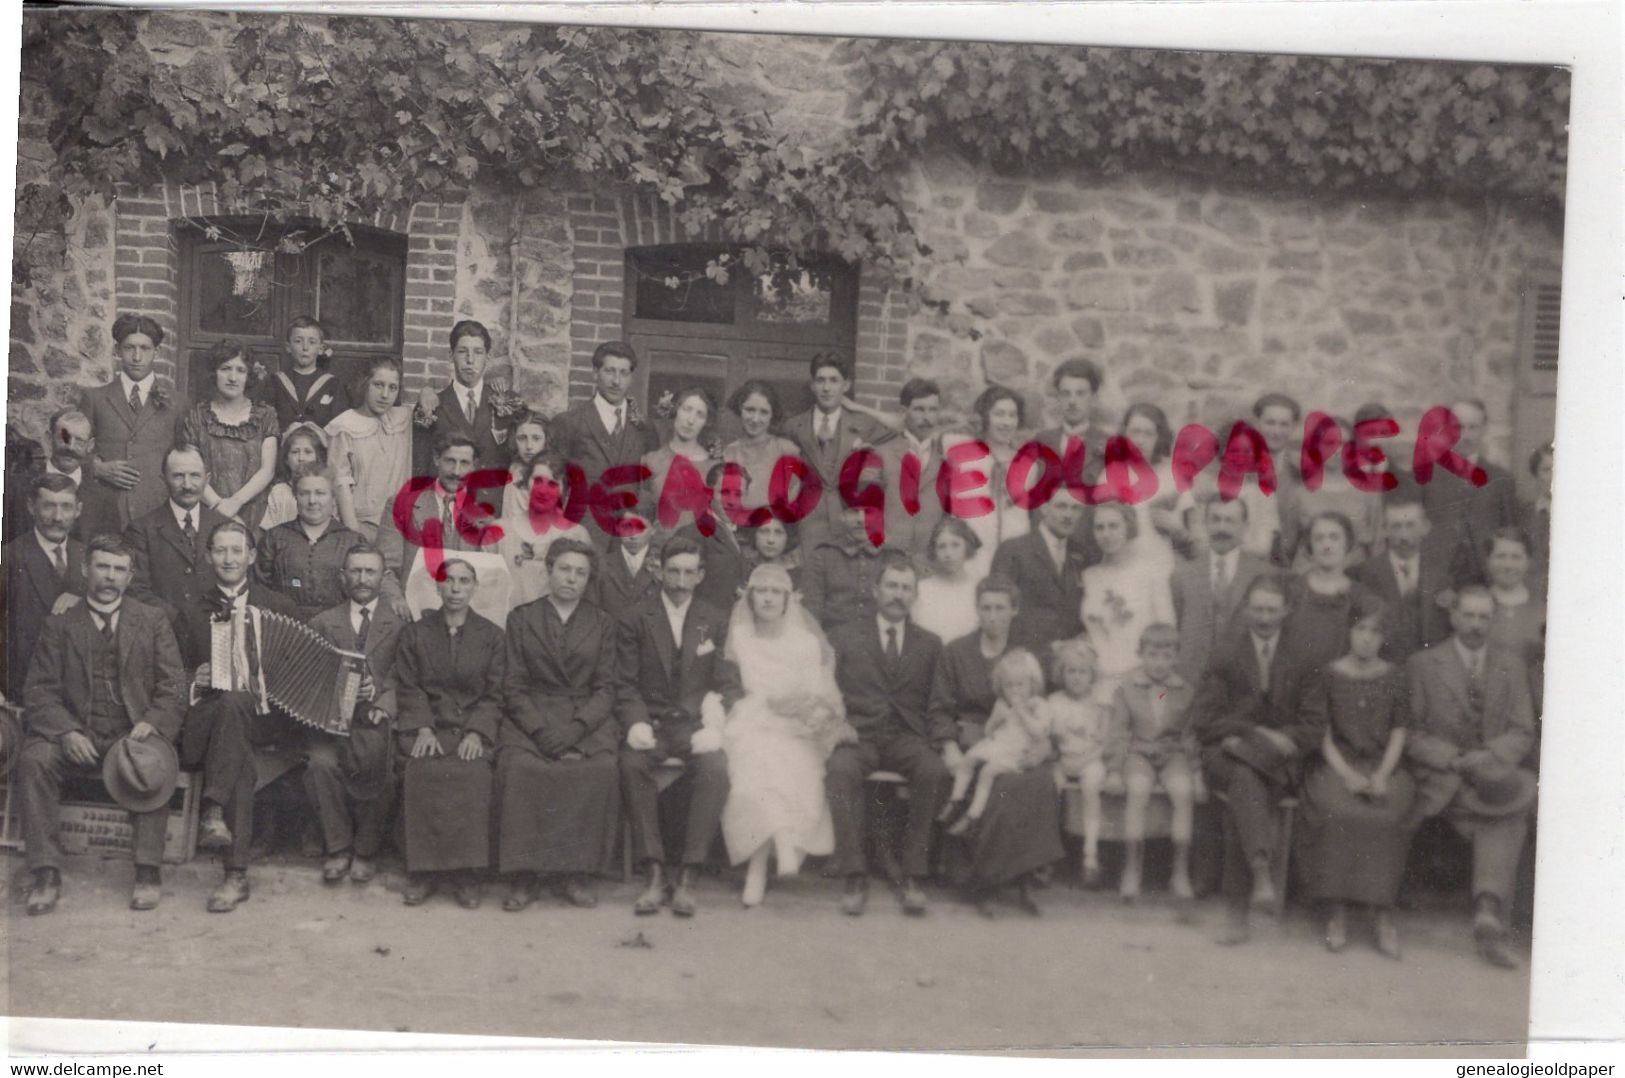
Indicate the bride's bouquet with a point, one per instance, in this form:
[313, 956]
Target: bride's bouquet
[813, 717]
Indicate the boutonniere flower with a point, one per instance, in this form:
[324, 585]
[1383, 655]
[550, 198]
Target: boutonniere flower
[423, 410]
[665, 407]
[258, 372]
[713, 448]
[162, 390]
[506, 404]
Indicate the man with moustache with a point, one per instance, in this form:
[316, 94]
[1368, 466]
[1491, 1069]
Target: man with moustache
[170, 543]
[1411, 575]
[68, 452]
[668, 648]
[223, 728]
[132, 421]
[454, 456]
[606, 430]
[838, 580]
[1207, 588]
[104, 671]
[351, 781]
[45, 573]
[884, 665]
[1472, 728]
[304, 558]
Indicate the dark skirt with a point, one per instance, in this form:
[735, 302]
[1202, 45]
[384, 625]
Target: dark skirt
[447, 810]
[1351, 849]
[1019, 832]
[556, 815]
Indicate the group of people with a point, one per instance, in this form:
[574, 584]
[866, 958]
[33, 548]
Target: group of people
[1377, 656]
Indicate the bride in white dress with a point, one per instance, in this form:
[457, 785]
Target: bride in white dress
[779, 724]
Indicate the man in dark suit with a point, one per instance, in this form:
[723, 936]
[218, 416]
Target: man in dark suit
[826, 435]
[464, 406]
[1254, 738]
[1047, 565]
[1411, 575]
[629, 572]
[224, 727]
[170, 543]
[884, 667]
[1207, 588]
[668, 649]
[1076, 383]
[722, 553]
[1464, 516]
[69, 450]
[606, 430]
[454, 459]
[919, 450]
[132, 421]
[838, 579]
[105, 670]
[1473, 727]
[45, 573]
[353, 797]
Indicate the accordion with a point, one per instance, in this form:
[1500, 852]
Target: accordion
[298, 670]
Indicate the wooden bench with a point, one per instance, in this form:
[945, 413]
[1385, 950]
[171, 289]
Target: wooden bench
[91, 822]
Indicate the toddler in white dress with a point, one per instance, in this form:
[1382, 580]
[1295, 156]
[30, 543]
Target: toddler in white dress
[1081, 725]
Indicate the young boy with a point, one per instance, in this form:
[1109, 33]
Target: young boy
[305, 391]
[1151, 740]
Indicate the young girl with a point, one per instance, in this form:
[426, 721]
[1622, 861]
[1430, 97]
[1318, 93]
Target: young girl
[1152, 741]
[371, 449]
[305, 391]
[1081, 725]
[527, 443]
[1016, 737]
[304, 446]
[236, 435]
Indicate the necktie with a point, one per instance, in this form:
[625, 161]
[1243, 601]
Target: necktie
[135, 399]
[106, 622]
[1266, 652]
[1475, 683]
[1402, 571]
[893, 651]
[59, 559]
[188, 529]
[620, 421]
[826, 429]
[361, 633]
[1218, 575]
[473, 403]
[447, 526]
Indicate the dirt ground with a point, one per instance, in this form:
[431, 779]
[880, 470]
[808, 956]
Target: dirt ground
[1089, 974]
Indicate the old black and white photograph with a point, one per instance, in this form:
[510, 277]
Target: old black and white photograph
[526, 528]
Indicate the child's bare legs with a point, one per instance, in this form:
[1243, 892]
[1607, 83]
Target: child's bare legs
[964, 771]
[1177, 780]
[978, 801]
[1091, 779]
[1139, 778]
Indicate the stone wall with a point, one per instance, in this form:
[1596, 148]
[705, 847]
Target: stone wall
[1199, 298]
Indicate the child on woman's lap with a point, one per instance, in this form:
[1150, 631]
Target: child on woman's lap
[1016, 737]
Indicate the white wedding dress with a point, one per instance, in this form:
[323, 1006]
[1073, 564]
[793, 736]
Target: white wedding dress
[775, 762]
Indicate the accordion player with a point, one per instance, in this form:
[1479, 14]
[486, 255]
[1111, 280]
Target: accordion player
[278, 660]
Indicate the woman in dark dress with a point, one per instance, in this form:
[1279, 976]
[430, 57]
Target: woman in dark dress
[1357, 799]
[236, 435]
[1020, 831]
[1322, 599]
[448, 687]
[558, 788]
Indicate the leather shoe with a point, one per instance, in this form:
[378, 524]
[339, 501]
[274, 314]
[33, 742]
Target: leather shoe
[363, 869]
[1337, 931]
[1025, 898]
[856, 896]
[653, 895]
[469, 893]
[418, 890]
[521, 893]
[1493, 949]
[147, 890]
[212, 832]
[913, 898]
[44, 892]
[336, 867]
[232, 892]
[578, 893]
[1235, 930]
[682, 896]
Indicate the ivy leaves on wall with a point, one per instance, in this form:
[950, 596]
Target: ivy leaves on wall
[340, 119]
